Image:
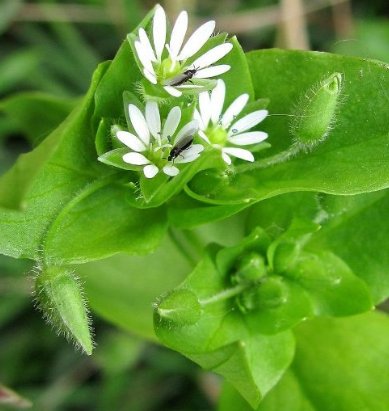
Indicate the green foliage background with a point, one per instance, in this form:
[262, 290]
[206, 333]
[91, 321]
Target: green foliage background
[44, 68]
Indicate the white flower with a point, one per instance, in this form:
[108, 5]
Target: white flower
[172, 64]
[151, 144]
[223, 131]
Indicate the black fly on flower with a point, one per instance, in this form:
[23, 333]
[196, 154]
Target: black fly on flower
[165, 59]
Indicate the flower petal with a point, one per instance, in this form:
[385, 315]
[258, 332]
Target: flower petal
[144, 59]
[252, 137]
[197, 40]
[170, 170]
[189, 129]
[190, 154]
[178, 34]
[136, 159]
[197, 116]
[145, 42]
[171, 123]
[205, 107]
[153, 119]
[234, 109]
[213, 55]
[218, 95]
[204, 136]
[159, 30]
[239, 153]
[151, 77]
[226, 158]
[139, 123]
[150, 170]
[130, 141]
[173, 91]
[247, 122]
[212, 71]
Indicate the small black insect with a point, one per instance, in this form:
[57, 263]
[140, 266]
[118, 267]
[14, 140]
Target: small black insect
[180, 146]
[184, 77]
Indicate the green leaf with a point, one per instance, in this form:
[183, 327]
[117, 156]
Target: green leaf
[185, 212]
[220, 337]
[121, 289]
[350, 161]
[36, 114]
[344, 357]
[100, 223]
[16, 68]
[339, 366]
[334, 289]
[357, 231]
[44, 180]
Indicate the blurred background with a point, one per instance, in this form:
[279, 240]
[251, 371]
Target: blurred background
[48, 51]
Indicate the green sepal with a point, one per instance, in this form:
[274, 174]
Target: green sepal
[59, 296]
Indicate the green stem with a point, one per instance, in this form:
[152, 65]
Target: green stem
[225, 294]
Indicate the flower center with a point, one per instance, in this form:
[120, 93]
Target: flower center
[158, 155]
[217, 135]
[168, 69]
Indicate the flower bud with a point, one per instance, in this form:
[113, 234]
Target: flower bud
[271, 293]
[316, 112]
[285, 256]
[59, 296]
[249, 269]
[180, 307]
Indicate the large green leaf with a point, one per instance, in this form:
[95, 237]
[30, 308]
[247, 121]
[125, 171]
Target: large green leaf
[353, 159]
[340, 365]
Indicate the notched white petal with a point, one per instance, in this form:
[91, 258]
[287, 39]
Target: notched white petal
[248, 121]
[139, 123]
[252, 137]
[217, 101]
[171, 123]
[204, 136]
[136, 159]
[226, 157]
[239, 153]
[145, 42]
[151, 77]
[213, 55]
[173, 91]
[144, 59]
[234, 109]
[197, 40]
[189, 129]
[153, 119]
[130, 141]
[205, 107]
[178, 34]
[212, 71]
[171, 170]
[150, 171]
[159, 30]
